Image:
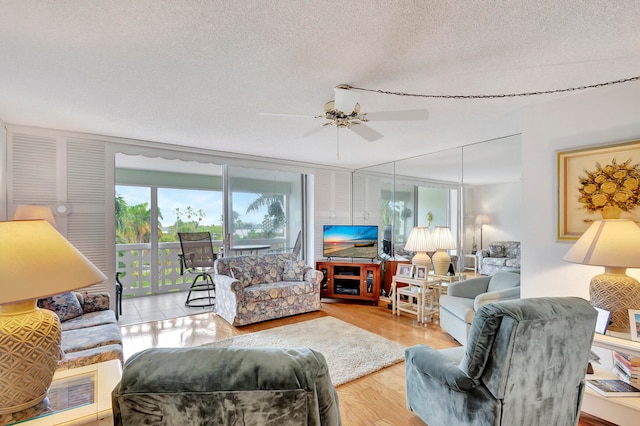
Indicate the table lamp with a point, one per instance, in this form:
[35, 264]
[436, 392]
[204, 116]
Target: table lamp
[443, 240]
[35, 262]
[420, 242]
[614, 244]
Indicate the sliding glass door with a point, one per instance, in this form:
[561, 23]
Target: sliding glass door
[246, 211]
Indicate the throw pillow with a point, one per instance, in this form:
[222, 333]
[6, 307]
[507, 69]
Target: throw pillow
[496, 250]
[294, 270]
[65, 305]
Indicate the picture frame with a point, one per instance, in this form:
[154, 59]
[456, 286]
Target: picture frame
[634, 324]
[405, 270]
[602, 322]
[421, 272]
[586, 185]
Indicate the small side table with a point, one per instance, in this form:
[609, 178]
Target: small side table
[422, 297]
[77, 396]
[474, 259]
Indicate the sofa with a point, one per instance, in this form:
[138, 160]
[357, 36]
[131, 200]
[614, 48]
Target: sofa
[464, 298]
[261, 287]
[524, 364]
[501, 256]
[90, 332]
[226, 386]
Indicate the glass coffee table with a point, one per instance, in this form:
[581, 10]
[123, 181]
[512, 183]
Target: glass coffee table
[77, 396]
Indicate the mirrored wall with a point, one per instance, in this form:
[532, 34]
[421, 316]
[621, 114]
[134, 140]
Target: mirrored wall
[461, 188]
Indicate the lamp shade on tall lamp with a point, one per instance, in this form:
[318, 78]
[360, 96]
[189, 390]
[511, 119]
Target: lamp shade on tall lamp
[614, 244]
[35, 262]
[420, 242]
[443, 240]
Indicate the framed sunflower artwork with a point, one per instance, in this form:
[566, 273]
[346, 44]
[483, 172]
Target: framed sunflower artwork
[596, 183]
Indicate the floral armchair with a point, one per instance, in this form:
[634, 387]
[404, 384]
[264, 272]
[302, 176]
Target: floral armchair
[501, 256]
[261, 287]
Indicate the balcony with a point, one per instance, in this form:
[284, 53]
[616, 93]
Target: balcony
[139, 278]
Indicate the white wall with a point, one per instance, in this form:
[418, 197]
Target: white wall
[3, 172]
[502, 203]
[590, 118]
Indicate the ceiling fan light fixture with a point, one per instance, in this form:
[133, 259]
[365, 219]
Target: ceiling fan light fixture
[345, 99]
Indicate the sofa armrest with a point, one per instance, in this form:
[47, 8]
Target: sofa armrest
[228, 284]
[93, 302]
[496, 296]
[469, 288]
[439, 368]
[313, 276]
[480, 254]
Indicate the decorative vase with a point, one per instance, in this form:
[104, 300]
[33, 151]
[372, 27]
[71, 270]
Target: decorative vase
[610, 212]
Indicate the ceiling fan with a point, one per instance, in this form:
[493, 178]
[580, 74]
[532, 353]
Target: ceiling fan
[344, 112]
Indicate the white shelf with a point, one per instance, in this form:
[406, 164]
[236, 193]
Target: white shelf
[622, 410]
[617, 344]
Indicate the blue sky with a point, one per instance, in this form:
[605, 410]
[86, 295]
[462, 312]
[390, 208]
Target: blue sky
[209, 201]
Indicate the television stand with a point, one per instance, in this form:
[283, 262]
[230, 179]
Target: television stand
[350, 280]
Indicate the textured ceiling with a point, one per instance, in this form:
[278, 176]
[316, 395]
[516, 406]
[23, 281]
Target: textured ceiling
[198, 73]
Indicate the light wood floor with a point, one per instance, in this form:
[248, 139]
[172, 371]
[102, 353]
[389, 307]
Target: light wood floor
[376, 399]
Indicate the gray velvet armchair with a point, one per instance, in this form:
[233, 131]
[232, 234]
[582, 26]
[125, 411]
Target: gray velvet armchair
[525, 364]
[463, 299]
[226, 386]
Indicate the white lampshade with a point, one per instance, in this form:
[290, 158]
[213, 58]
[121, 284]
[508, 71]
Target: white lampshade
[31, 212]
[443, 240]
[610, 242]
[420, 242]
[482, 219]
[614, 244]
[36, 261]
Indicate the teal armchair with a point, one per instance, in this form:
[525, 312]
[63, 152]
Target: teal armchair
[226, 386]
[463, 299]
[524, 364]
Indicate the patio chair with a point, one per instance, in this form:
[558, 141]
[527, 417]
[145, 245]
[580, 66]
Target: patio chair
[197, 258]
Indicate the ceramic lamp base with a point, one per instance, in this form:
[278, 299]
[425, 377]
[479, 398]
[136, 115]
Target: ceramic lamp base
[29, 354]
[422, 259]
[441, 261]
[616, 293]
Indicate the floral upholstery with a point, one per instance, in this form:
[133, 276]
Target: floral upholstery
[66, 305]
[294, 270]
[501, 256]
[91, 337]
[251, 289]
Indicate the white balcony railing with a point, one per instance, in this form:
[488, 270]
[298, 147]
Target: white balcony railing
[139, 278]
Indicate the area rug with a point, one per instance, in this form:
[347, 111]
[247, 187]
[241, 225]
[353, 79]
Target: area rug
[351, 352]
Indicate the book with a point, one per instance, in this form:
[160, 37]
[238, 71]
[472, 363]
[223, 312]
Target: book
[631, 360]
[632, 363]
[613, 388]
[632, 371]
[625, 377]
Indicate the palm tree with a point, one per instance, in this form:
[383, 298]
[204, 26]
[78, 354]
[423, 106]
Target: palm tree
[275, 216]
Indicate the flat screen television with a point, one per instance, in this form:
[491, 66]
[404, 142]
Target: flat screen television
[350, 241]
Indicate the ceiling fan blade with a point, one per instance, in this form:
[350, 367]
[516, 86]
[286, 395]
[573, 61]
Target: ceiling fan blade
[273, 114]
[345, 99]
[408, 115]
[312, 131]
[366, 132]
